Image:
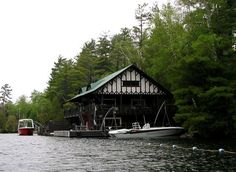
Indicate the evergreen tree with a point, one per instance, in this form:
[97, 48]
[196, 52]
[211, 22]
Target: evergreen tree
[5, 97]
[103, 50]
[203, 84]
[60, 81]
[5, 94]
[59, 87]
[86, 64]
[140, 32]
[164, 47]
[190, 51]
[123, 51]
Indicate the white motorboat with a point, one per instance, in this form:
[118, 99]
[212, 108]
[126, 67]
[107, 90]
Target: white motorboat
[146, 132]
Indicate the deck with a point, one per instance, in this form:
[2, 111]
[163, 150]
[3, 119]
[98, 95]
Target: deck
[82, 133]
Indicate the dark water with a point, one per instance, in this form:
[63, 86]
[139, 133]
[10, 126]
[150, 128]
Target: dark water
[40, 153]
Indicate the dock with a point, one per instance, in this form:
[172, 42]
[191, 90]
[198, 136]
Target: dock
[82, 133]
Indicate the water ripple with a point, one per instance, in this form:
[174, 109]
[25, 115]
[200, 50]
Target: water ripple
[38, 153]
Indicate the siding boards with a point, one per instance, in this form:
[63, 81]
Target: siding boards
[115, 86]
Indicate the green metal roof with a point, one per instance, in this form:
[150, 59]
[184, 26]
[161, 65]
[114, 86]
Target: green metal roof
[94, 86]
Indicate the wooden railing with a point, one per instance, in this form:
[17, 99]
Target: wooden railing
[101, 110]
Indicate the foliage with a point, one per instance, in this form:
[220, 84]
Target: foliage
[206, 67]
[5, 98]
[5, 93]
[141, 32]
[2, 122]
[163, 48]
[186, 48]
[11, 124]
[123, 51]
[86, 63]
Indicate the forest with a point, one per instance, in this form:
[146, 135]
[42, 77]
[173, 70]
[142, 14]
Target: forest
[189, 48]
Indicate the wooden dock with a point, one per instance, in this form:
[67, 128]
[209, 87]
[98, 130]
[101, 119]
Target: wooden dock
[82, 133]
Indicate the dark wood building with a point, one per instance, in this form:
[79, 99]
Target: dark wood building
[118, 100]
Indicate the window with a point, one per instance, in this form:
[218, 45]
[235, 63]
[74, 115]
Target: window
[130, 83]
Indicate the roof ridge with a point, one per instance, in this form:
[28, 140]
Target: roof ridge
[95, 85]
[109, 77]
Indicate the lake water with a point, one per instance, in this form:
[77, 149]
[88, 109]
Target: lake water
[41, 153]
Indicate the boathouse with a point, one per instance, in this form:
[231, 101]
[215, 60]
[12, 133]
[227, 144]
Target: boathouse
[119, 99]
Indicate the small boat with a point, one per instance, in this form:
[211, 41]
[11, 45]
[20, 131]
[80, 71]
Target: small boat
[146, 132]
[25, 127]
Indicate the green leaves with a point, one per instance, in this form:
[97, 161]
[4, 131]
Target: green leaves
[219, 100]
[189, 52]
[205, 45]
[11, 124]
[163, 49]
[123, 51]
[203, 82]
[195, 123]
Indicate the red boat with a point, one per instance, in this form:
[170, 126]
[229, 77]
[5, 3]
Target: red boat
[25, 127]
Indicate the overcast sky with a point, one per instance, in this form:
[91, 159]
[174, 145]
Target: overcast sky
[33, 33]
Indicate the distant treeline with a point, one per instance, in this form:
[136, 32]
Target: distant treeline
[189, 48]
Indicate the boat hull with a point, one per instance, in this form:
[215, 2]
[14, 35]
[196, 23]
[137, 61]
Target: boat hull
[26, 131]
[25, 127]
[154, 132]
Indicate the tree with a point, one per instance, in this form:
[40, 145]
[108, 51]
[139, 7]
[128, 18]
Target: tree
[123, 51]
[42, 108]
[60, 82]
[5, 96]
[60, 87]
[5, 93]
[164, 47]
[23, 107]
[11, 124]
[143, 16]
[85, 64]
[203, 84]
[103, 50]
[2, 122]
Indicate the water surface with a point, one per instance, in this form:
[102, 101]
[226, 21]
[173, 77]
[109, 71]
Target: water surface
[41, 153]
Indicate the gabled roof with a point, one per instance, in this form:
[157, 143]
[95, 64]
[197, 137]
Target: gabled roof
[96, 85]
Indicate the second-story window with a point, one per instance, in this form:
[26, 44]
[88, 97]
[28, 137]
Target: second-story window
[131, 84]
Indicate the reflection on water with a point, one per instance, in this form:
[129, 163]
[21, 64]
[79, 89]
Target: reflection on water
[40, 153]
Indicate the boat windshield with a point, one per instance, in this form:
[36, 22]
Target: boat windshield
[26, 123]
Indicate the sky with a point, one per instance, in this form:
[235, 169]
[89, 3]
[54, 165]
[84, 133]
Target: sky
[34, 33]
